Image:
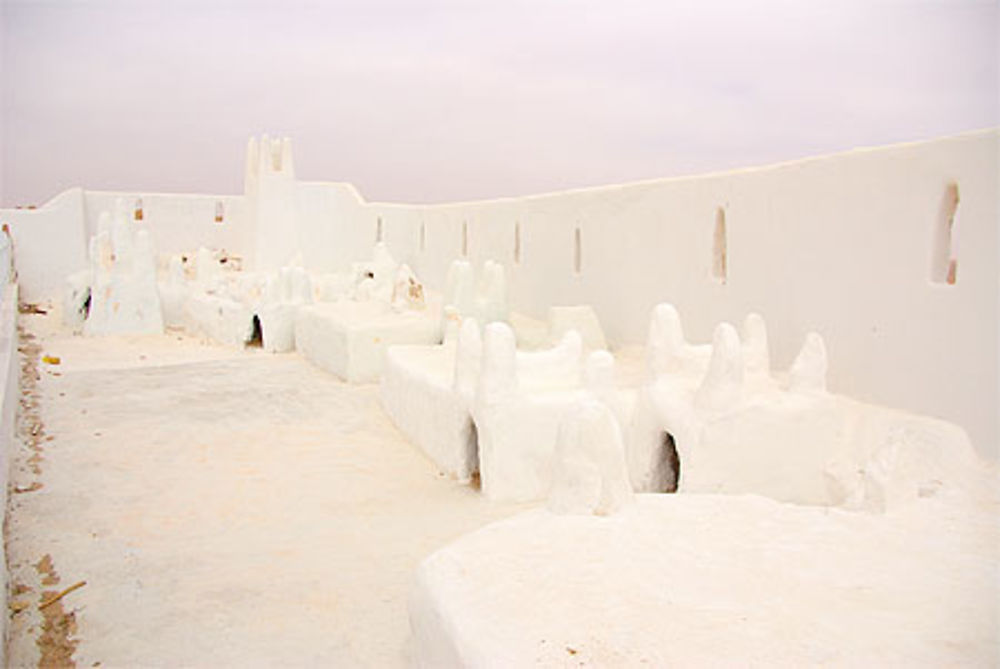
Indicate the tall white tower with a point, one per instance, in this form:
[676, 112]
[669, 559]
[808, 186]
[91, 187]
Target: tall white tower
[270, 194]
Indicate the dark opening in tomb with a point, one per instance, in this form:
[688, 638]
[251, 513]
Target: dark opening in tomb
[256, 339]
[85, 309]
[671, 464]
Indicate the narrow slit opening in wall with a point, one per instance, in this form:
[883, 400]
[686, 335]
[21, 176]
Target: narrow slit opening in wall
[475, 478]
[944, 260]
[378, 230]
[423, 236]
[137, 213]
[719, 250]
[256, 339]
[670, 462]
[465, 239]
[517, 243]
[577, 251]
[220, 212]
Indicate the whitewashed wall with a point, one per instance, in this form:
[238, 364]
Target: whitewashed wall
[180, 223]
[49, 243]
[839, 244]
[332, 227]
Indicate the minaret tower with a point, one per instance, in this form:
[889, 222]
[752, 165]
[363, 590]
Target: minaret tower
[270, 193]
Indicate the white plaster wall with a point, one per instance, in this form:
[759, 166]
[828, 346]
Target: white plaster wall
[179, 223]
[330, 226]
[839, 244]
[49, 244]
[335, 227]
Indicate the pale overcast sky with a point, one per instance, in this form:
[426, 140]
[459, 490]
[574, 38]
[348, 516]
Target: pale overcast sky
[437, 101]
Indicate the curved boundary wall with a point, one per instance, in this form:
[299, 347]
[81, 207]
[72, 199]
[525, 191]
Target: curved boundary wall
[849, 245]
[861, 247]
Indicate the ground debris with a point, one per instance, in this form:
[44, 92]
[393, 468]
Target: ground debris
[35, 485]
[30, 308]
[55, 644]
[62, 593]
[46, 570]
[58, 626]
[16, 606]
[29, 418]
[48, 624]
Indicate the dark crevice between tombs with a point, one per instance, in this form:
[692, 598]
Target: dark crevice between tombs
[256, 339]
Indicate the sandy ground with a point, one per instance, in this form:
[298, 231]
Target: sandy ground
[224, 507]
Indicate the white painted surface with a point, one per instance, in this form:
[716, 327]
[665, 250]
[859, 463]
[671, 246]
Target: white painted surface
[589, 475]
[124, 297]
[50, 243]
[581, 318]
[520, 400]
[349, 338]
[716, 580]
[841, 245]
[432, 392]
[419, 397]
[284, 292]
[738, 428]
[270, 192]
[179, 223]
[721, 423]
[220, 319]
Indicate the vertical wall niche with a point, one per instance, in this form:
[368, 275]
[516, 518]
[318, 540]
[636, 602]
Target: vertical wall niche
[671, 463]
[944, 263]
[517, 242]
[719, 250]
[220, 212]
[378, 230]
[137, 212]
[423, 236]
[465, 239]
[577, 251]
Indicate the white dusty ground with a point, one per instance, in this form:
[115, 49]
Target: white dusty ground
[225, 508]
